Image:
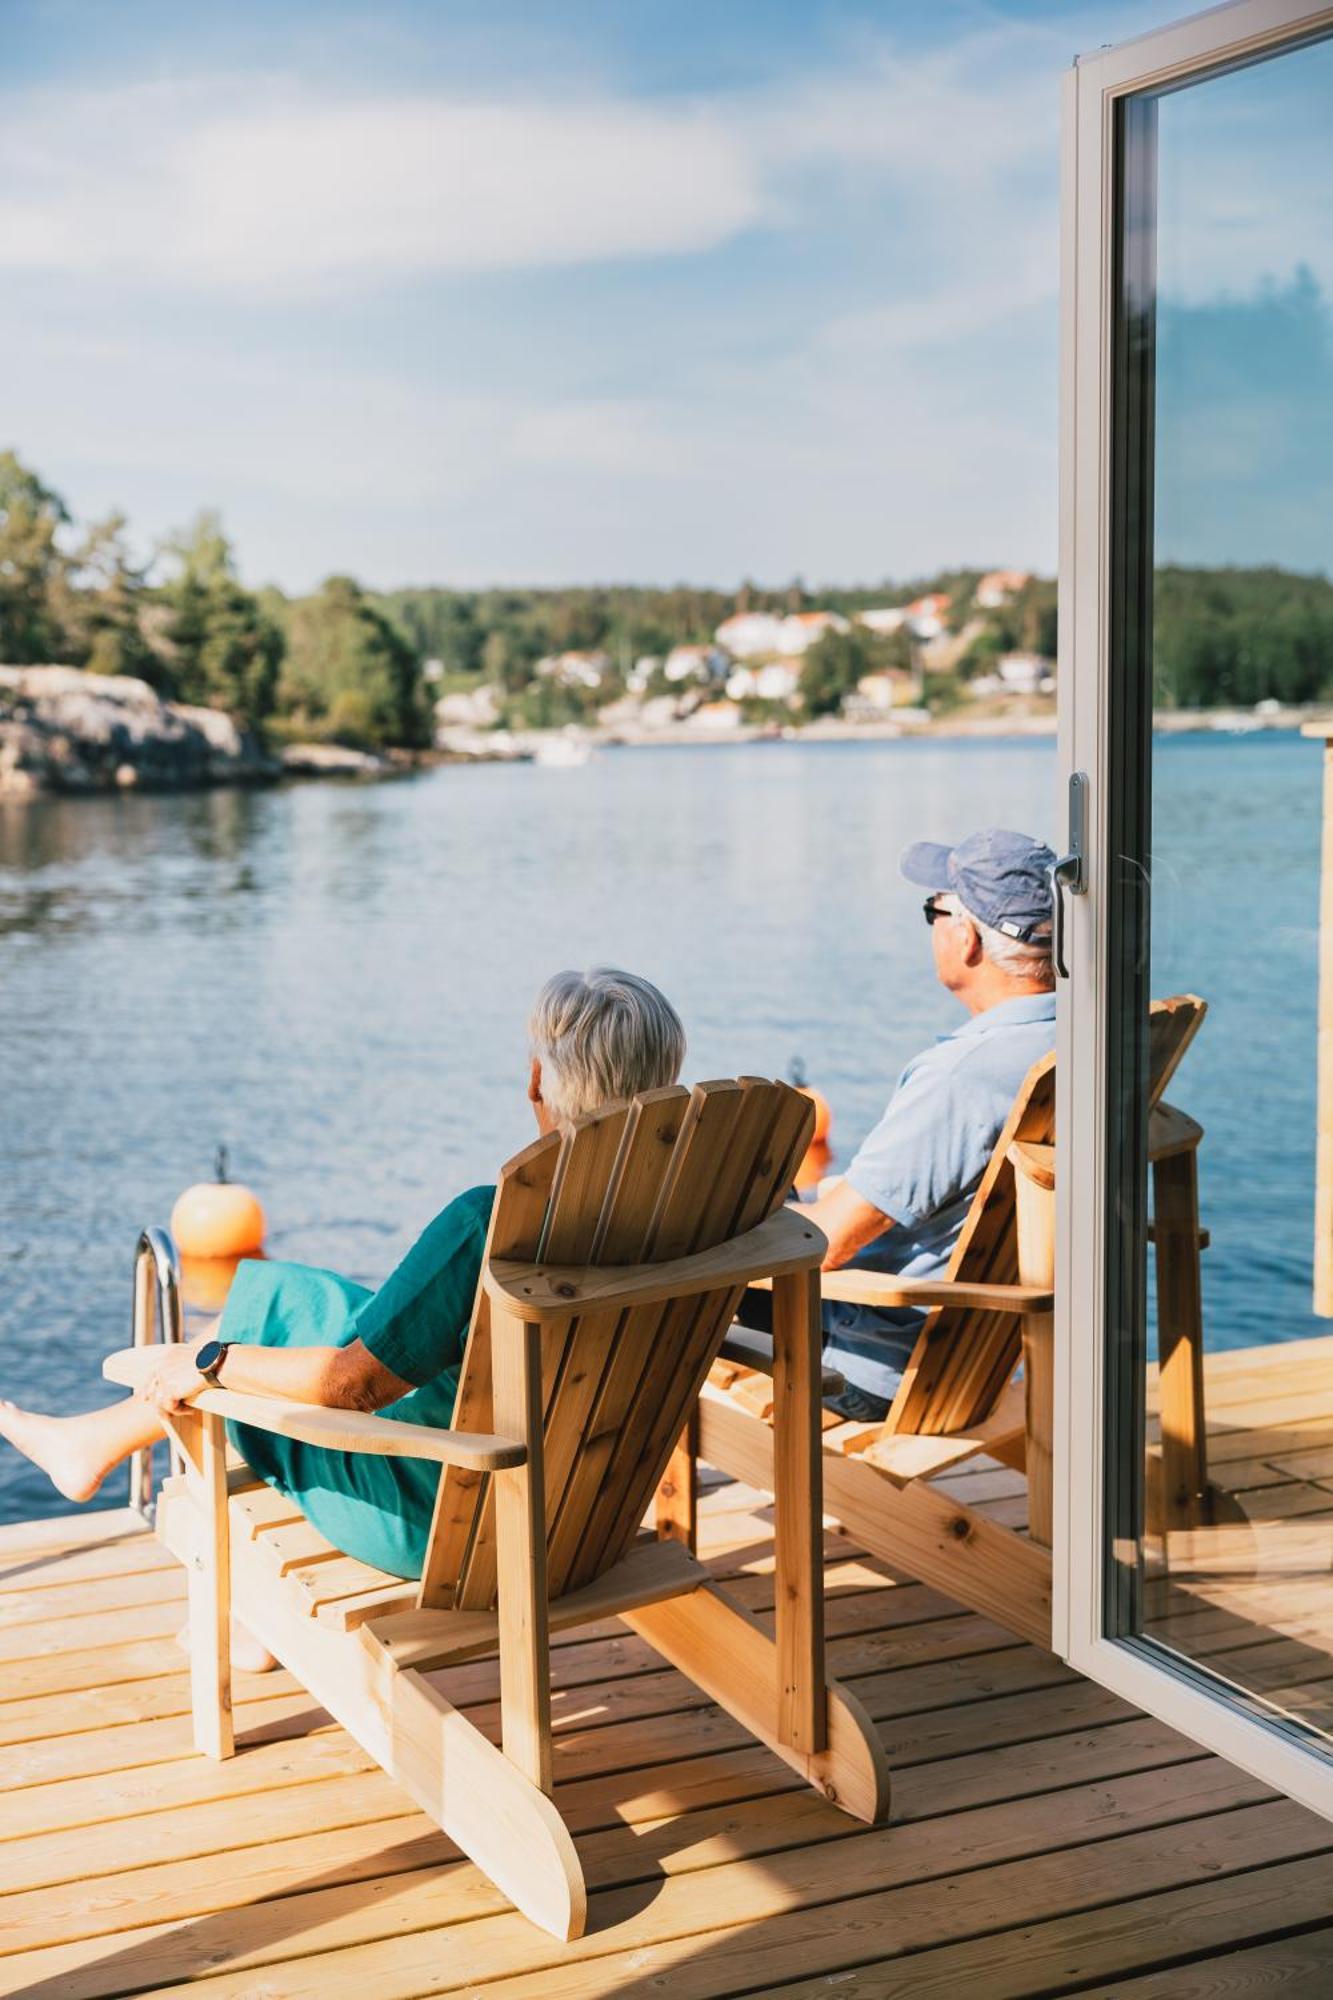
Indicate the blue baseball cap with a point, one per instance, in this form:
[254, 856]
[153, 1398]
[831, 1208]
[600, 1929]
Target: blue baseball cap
[1002, 878]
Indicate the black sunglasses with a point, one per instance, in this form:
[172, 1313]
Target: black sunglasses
[933, 910]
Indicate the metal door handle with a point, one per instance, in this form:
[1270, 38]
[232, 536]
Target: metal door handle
[1070, 871]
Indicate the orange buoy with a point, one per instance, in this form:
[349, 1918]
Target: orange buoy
[206, 1281]
[823, 1112]
[218, 1218]
[814, 1167]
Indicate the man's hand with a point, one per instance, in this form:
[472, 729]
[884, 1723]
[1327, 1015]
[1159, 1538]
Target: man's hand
[176, 1380]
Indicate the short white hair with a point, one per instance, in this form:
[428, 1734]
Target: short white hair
[1022, 958]
[602, 1035]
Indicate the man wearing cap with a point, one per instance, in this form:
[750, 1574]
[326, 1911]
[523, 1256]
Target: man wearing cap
[902, 1202]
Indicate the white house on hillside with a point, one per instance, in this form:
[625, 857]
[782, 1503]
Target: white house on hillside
[998, 586]
[587, 670]
[716, 715]
[695, 663]
[925, 615]
[889, 687]
[778, 681]
[747, 634]
[472, 708]
[1025, 673]
[804, 629]
[639, 675]
[884, 619]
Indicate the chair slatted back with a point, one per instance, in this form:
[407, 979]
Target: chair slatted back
[963, 1359]
[673, 1172]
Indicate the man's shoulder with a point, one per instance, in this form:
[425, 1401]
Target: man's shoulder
[988, 1049]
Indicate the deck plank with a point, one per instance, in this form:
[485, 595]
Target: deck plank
[1044, 1834]
[809, 1851]
[122, 1899]
[791, 1913]
[1180, 1924]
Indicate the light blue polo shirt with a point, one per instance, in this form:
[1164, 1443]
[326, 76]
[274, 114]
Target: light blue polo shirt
[921, 1165]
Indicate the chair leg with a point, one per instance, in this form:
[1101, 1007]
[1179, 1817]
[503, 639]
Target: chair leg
[203, 1440]
[520, 1552]
[718, 1645]
[798, 1511]
[1034, 1195]
[1184, 1477]
[777, 1687]
[475, 1792]
[676, 1504]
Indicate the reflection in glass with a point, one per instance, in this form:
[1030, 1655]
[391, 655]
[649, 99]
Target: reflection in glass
[1220, 1498]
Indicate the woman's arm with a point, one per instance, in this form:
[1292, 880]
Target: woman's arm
[339, 1378]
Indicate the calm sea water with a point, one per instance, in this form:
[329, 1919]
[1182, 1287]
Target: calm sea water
[334, 982]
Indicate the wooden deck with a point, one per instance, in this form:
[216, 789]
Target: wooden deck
[1253, 1596]
[1045, 1840]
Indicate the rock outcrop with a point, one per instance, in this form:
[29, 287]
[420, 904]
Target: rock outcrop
[62, 730]
[332, 760]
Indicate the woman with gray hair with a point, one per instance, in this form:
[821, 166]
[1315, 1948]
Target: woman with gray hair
[310, 1336]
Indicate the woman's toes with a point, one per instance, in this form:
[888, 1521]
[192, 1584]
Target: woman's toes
[248, 1656]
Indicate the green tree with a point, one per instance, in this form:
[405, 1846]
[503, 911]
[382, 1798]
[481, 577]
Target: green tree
[506, 660]
[833, 666]
[350, 672]
[221, 649]
[33, 568]
[104, 607]
[1241, 635]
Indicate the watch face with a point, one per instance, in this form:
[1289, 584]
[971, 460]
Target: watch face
[209, 1356]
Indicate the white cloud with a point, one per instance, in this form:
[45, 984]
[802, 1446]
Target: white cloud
[253, 185]
[843, 427]
[256, 188]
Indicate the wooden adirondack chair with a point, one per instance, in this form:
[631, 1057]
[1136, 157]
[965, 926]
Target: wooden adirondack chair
[614, 1264]
[959, 1395]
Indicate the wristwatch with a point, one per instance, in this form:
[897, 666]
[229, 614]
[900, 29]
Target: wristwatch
[211, 1357]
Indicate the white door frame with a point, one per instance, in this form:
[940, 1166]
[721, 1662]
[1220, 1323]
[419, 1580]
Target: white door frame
[1141, 1675]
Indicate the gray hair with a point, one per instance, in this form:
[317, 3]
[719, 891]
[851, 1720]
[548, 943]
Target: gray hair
[602, 1035]
[1030, 959]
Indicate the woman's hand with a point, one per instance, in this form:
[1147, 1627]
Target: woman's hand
[176, 1380]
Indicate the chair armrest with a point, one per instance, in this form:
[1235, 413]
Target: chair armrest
[881, 1288]
[337, 1430]
[784, 1243]
[1170, 1132]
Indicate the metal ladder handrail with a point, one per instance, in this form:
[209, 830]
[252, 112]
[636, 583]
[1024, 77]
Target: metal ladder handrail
[157, 1315]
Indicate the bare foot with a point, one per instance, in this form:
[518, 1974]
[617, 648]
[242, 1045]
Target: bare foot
[247, 1655]
[59, 1446]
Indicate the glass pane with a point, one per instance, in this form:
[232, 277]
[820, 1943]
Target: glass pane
[1220, 1508]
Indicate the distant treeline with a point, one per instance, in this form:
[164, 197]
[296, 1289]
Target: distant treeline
[503, 633]
[348, 664]
[1241, 636]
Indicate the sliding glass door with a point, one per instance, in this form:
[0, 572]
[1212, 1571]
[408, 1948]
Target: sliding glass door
[1195, 1555]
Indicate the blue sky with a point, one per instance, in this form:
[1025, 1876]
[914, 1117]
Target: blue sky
[465, 293]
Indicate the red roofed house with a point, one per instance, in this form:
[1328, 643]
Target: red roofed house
[998, 586]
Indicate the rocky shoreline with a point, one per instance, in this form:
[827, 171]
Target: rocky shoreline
[64, 732]
[67, 733]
